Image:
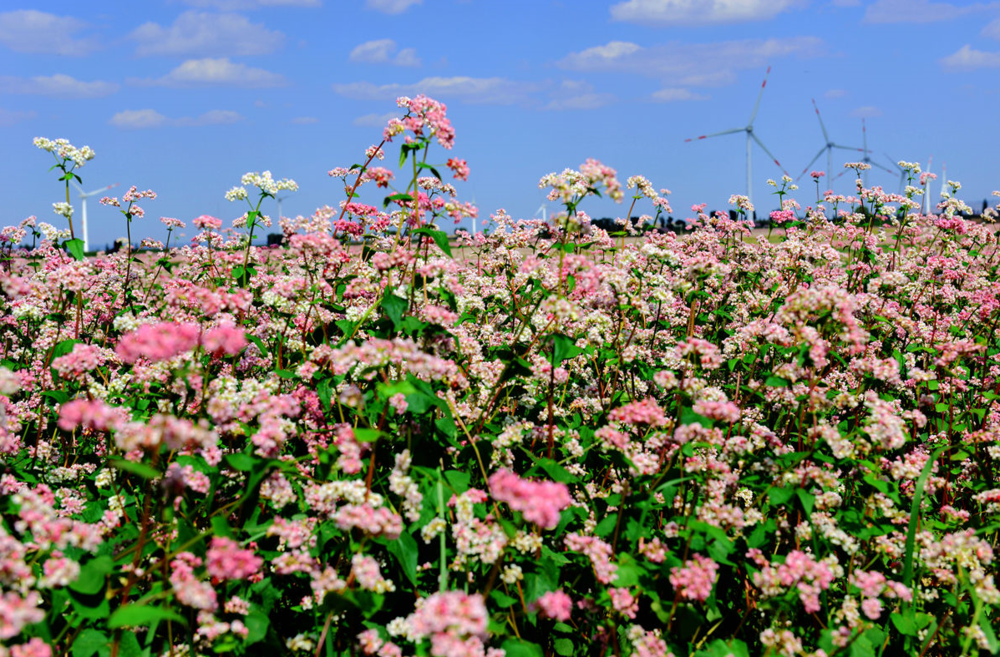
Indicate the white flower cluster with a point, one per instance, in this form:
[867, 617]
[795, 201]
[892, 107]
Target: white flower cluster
[262, 181]
[63, 209]
[65, 150]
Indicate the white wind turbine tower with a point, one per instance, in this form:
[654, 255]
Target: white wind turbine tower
[751, 137]
[828, 147]
[542, 210]
[83, 211]
[926, 209]
[867, 159]
[278, 200]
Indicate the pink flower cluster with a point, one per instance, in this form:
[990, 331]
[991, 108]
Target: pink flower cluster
[646, 411]
[226, 560]
[539, 501]
[696, 578]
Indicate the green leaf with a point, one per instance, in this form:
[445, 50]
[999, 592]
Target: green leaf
[519, 648]
[564, 348]
[688, 416]
[779, 496]
[394, 307]
[75, 248]
[395, 197]
[606, 526]
[257, 341]
[138, 614]
[424, 165]
[367, 435]
[257, 623]
[777, 382]
[220, 527]
[92, 576]
[911, 531]
[140, 469]
[807, 500]
[91, 642]
[563, 647]
[240, 461]
[439, 237]
[405, 550]
[62, 349]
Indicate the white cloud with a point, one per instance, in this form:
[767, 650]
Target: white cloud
[305, 120]
[675, 94]
[834, 93]
[391, 6]
[206, 34]
[383, 51]
[10, 117]
[967, 58]
[375, 120]
[30, 31]
[577, 95]
[698, 12]
[149, 118]
[215, 73]
[495, 91]
[992, 29]
[919, 11]
[58, 85]
[866, 112]
[684, 64]
[241, 5]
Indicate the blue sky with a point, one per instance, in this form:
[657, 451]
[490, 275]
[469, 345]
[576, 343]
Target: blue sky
[184, 96]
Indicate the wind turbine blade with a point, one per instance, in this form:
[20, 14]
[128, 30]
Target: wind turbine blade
[848, 148]
[98, 191]
[769, 153]
[77, 185]
[716, 134]
[884, 168]
[822, 127]
[864, 136]
[759, 95]
[840, 174]
[811, 162]
[895, 163]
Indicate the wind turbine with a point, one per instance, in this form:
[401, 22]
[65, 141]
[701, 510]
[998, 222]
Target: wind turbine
[902, 172]
[751, 137]
[927, 189]
[828, 147]
[543, 210]
[866, 159]
[278, 200]
[83, 211]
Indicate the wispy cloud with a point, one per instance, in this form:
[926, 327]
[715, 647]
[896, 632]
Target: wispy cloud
[577, 95]
[211, 72]
[676, 94]
[31, 31]
[866, 112]
[968, 58]
[383, 51]
[197, 33]
[244, 5]
[58, 85]
[149, 118]
[698, 12]
[683, 64]
[493, 91]
[992, 29]
[920, 11]
[391, 6]
[834, 93]
[10, 117]
[375, 120]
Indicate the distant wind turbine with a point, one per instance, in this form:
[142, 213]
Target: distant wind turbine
[927, 189]
[828, 147]
[543, 210]
[748, 129]
[902, 172]
[867, 159]
[83, 211]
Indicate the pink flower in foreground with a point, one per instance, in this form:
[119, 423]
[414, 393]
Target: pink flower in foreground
[224, 340]
[158, 342]
[91, 414]
[34, 648]
[624, 602]
[226, 560]
[539, 501]
[451, 611]
[459, 168]
[695, 580]
[646, 411]
[555, 605]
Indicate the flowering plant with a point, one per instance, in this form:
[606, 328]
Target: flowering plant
[536, 441]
